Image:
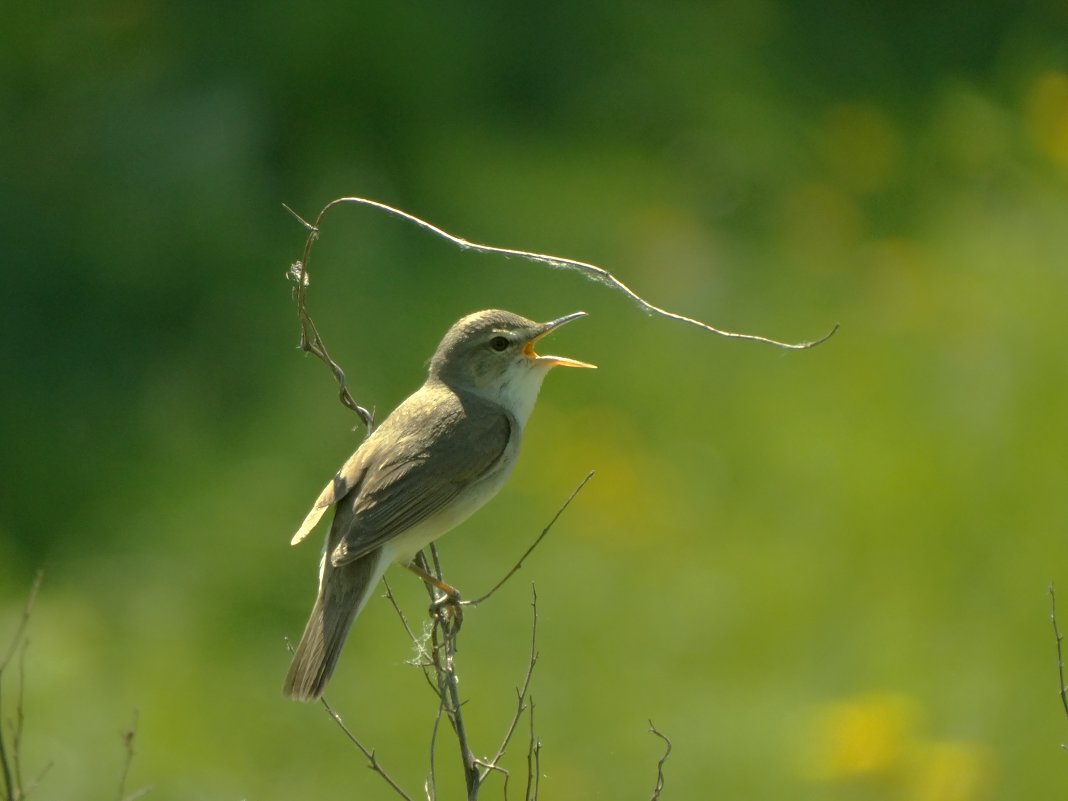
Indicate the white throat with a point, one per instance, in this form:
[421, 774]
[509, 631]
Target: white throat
[519, 390]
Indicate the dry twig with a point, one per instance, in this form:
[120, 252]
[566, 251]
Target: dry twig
[430, 785]
[300, 272]
[533, 761]
[128, 744]
[24, 621]
[369, 754]
[310, 340]
[11, 762]
[534, 544]
[400, 613]
[660, 764]
[447, 617]
[1058, 637]
[521, 692]
[443, 634]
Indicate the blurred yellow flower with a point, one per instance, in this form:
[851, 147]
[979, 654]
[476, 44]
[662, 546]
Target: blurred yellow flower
[1048, 115]
[865, 736]
[875, 738]
[952, 771]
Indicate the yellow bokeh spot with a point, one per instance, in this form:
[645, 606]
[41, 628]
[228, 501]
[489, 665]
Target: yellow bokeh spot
[1048, 116]
[866, 736]
[876, 740]
[952, 771]
[635, 487]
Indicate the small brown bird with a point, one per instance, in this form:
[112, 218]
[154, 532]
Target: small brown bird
[438, 457]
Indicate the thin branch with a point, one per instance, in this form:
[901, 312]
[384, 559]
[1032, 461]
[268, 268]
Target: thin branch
[24, 621]
[310, 340]
[128, 745]
[1060, 655]
[23, 790]
[430, 786]
[447, 619]
[540, 537]
[368, 754]
[446, 613]
[521, 692]
[396, 608]
[591, 271]
[1058, 637]
[496, 769]
[533, 760]
[5, 764]
[11, 764]
[20, 719]
[660, 765]
[37, 781]
[422, 659]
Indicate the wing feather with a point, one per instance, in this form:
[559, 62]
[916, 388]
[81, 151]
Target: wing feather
[436, 451]
[340, 485]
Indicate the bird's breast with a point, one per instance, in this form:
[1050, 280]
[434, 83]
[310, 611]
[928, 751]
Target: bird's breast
[408, 543]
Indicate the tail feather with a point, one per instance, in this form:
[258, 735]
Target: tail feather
[343, 591]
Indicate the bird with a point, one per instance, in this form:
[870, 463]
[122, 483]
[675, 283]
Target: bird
[437, 458]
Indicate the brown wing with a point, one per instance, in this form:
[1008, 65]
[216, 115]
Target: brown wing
[436, 449]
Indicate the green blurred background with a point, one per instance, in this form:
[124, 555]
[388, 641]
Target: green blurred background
[823, 574]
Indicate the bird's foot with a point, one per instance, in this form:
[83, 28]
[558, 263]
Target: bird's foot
[448, 609]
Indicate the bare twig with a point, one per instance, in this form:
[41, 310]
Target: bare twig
[24, 621]
[128, 745]
[421, 659]
[5, 765]
[368, 754]
[446, 626]
[440, 666]
[430, 786]
[9, 780]
[17, 731]
[11, 763]
[1058, 637]
[521, 692]
[540, 537]
[396, 608]
[533, 760]
[310, 340]
[37, 781]
[660, 764]
[591, 271]
[20, 719]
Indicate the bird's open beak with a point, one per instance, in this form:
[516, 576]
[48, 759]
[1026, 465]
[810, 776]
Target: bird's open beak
[554, 361]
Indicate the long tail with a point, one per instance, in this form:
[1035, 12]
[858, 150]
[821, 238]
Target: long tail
[343, 591]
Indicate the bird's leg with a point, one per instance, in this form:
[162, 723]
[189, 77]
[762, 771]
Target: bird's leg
[451, 593]
[449, 604]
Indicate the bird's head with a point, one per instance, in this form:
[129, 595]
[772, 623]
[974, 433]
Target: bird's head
[492, 353]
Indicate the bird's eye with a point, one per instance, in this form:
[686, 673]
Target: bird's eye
[499, 344]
